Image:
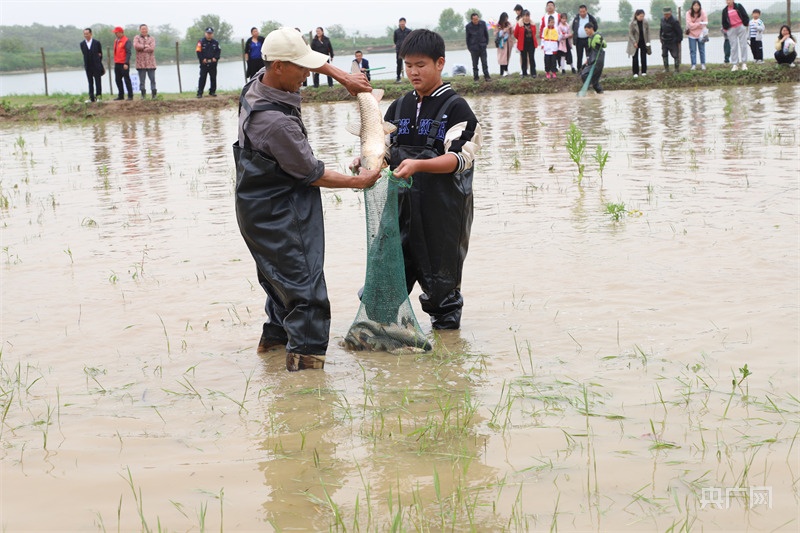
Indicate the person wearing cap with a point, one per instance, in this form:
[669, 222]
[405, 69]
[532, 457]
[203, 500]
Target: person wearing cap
[122, 64]
[671, 36]
[278, 202]
[208, 52]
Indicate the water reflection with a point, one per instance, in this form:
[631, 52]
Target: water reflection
[369, 443]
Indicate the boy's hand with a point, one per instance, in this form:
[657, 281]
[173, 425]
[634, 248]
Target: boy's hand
[406, 168]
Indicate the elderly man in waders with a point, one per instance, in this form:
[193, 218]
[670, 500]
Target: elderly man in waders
[278, 204]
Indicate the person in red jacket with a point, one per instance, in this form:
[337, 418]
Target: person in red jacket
[525, 34]
[122, 64]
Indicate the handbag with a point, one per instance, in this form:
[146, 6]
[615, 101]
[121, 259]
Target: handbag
[704, 35]
[648, 49]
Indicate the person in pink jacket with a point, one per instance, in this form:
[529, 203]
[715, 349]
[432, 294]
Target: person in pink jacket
[145, 46]
[697, 30]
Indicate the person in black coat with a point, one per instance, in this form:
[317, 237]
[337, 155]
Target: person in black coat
[477, 41]
[399, 35]
[671, 36]
[322, 44]
[93, 64]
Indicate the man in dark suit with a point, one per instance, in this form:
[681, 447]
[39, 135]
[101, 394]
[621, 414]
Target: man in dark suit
[360, 65]
[93, 64]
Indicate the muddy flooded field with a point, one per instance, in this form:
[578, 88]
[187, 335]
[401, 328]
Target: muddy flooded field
[628, 358]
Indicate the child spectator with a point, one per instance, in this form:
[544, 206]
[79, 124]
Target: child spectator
[565, 43]
[436, 141]
[550, 48]
[756, 35]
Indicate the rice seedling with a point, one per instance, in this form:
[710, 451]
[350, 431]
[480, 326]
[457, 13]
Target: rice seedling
[601, 158]
[576, 145]
[615, 210]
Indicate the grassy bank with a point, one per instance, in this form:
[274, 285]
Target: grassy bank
[65, 107]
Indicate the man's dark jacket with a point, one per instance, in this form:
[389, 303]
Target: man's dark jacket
[670, 32]
[92, 59]
[477, 36]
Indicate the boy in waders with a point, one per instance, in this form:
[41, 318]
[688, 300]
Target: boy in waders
[596, 57]
[435, 144]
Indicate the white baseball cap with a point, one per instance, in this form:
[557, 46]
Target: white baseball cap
[286, 44]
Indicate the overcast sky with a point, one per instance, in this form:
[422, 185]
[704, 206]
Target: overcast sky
[370, 18]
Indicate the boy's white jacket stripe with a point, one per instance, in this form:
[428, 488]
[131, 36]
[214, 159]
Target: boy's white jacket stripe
[466, 157]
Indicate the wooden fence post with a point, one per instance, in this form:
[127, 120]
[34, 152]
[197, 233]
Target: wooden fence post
[44, 67]
[178, 63]
[244, 62]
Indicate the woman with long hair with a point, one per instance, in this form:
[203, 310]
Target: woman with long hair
[696, 29]
[638, 41]
[504, 38]
[785, 47]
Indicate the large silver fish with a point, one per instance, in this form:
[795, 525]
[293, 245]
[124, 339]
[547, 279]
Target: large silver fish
[372, 130]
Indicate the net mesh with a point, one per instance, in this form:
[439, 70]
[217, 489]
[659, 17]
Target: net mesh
[385, 319]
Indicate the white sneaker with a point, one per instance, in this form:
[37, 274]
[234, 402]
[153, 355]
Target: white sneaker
[734, 68]
[645, 73]
[694, 67]
[744, 66]
[703, 66]
[790, 64]
[635, 75]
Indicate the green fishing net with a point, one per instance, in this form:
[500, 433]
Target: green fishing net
[385, 319]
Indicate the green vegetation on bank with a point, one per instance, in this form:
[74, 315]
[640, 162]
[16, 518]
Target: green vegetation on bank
[66, 107]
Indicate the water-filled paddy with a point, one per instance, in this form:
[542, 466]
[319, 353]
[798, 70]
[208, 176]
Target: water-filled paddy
[610, 375]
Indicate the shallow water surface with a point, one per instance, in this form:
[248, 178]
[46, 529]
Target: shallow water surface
[637, 374]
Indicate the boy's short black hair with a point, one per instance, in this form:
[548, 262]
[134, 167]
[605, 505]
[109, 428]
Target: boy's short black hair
[423, 43]
[757, 11]
[588, 25]
[583, 6]
[359, 52]
[401, 19]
